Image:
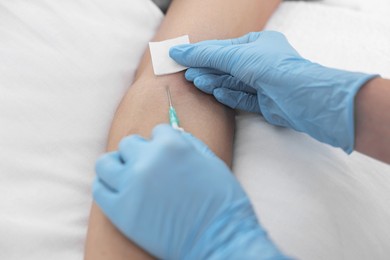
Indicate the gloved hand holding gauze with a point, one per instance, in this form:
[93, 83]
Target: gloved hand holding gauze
[261, 72]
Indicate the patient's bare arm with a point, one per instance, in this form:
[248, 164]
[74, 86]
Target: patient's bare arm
[373, 119]
[145, 104]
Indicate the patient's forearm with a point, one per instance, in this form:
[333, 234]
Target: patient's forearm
[373, 119]
[146, 104]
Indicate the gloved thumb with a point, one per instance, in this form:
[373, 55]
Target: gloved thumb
[198, 145]
[210, 54]
[204, 56]
[237, 99]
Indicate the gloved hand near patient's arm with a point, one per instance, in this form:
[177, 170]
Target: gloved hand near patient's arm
[261, 72]
[173, 197]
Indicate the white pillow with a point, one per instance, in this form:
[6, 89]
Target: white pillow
[64, 67]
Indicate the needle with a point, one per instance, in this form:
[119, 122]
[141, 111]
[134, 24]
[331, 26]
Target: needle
[173, 119]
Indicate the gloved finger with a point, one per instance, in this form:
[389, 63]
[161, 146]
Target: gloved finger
[109, 169]
[167, 139]
[230, 82]
[180, 53]
[198, 144]
[224, 42]
[233, 83]
[237, 99]
[193, 73]
[207, 83]
[129, 146]
[103, 195]
[276, 41]
[164, 131]
[247, 38]
[202, 56]
[272, 112]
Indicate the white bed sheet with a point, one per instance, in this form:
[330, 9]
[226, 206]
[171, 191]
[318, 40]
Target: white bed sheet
[64, 65]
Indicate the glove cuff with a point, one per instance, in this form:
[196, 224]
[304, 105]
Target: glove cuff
[339, 130]
[324, 102]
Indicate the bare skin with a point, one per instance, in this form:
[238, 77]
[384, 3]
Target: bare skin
[145, 104]
[373, 119]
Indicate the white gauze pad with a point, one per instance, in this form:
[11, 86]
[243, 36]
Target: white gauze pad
[162, 63]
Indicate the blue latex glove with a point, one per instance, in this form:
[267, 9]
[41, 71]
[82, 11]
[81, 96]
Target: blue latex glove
[173, 197]
[260, 72]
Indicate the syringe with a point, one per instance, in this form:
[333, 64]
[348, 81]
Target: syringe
[173, 119]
